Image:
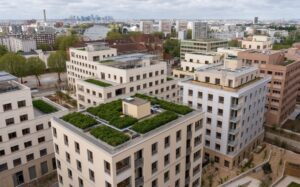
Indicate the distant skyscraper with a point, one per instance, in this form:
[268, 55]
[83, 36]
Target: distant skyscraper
[255, 21]
[199, 30]
[45, 18]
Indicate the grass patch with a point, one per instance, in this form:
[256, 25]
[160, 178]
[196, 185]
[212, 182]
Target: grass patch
[293, 184]
[180, 109]
[112, 112]
[109, 135]
[43, 106]
[79, 120]
[154, 122]
[98, 83]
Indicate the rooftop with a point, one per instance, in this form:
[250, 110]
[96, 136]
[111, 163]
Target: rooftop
[98, 82]
[205, 40]
[8, 83]
[106, 125]
[135, 101]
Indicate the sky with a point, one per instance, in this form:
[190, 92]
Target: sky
[139, 9]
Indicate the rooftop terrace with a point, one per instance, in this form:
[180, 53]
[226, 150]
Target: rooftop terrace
[109, 128]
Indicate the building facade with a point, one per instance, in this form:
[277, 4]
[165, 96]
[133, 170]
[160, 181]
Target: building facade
[258, 42]
[146, 27]
[165, 26]
[199, 30]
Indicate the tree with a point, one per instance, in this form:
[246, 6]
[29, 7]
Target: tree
[3, 50]
[112, 35]
[15, 64]
[234, 43]
[35, 66]
[65, 42]
[189, 34]
[57, 62]
[45, 47]
[172, 47]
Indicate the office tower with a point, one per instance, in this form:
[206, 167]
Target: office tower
[44, 13]
[259, 42]
[233, 96]
[26, 146]
[146, 27]
[181, 25]
[199, 30]
[165, 26]
[162, 146]
[255, 20]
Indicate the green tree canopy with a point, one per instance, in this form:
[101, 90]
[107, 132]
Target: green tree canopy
[15, 64]
[57, 62]
[45, 47]
[35, 66]
[172, 47]
[65, 42]
[189, 34]
[234, 43]
[112, 35]
[3, 50]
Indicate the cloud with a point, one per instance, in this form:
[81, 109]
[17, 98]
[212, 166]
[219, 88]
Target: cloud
[126, 9]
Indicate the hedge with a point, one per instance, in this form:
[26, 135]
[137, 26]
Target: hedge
[43, 106]
[109, 135]
[97, 82]
[79, 120]
[112, 112]
[154, 122]
[180, 109]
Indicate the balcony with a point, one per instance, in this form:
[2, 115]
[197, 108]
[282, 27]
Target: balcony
[139, 181]
[187, 180]
[236, 106]
[138, 162]
[233, 131]
[188, 166]
[189, 135]
[234, 119]
[232, 143]
[123, 169]
[188, 150]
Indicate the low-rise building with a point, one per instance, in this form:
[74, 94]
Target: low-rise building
[258, 42]
[165, 26]
[162, 146]
[146, 27]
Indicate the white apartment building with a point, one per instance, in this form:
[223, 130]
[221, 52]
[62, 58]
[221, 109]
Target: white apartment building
[199, 30]
[26, 149]
[196, 60]
[181, 25]
[21, 44]
[169, 154]
[165, 26]
[233, 97]
[120, 77]
[258, 42]
[146, 27]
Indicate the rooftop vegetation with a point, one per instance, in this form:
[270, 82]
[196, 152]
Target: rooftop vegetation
[109, 135]
[154, 122]
[79, 120]
[112, 112]
[43, 106]
[180, 109]
[97, 82]
[169, 78]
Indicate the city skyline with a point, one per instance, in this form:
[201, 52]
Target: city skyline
[128, 9]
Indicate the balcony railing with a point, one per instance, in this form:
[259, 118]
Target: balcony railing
[233, 131]
[138, 162]
[121, 170]
[139, 181]
[234, 119]
[232, 143]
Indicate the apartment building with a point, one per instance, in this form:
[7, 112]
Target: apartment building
[199, 30]
[258, 42]
[160, 148]
[230, 51]
[26, 149]
[193, 61]
[165, 26]
[181, 25]
[283, 88]
[203, 45]
[146, 27]
[233, 96]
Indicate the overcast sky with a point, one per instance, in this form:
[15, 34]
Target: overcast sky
[193, 9]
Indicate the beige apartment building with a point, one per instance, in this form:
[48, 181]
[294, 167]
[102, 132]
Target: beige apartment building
[120, 77]
[26, 148]
[165, 26]
[161, 148]
[146, 26]
[233, 97]
[283, 88]
[201, 45]
[258, 42]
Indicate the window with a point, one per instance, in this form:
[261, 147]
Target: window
[77, 147]
[177, 169]
[154, 167]
[167, 159]
[217, 147]
[154, 183]
[3, 167]
[60, 179]
[90, 156]
[39, 127]
[178, 152]
[208, 120]
[177, 183]
[217, 159]
[226, 163]
[10, 121]
[198, 125]
[221, 99]
[27, 144]
[56, 148]
[190, 92]
[7, 107]
[80, 182]
[17, 162]
[106, 167]
[54, 132]
[30, 157]
[166, 176]
[92, 175]
[24, 117]
[123, 165]
[218, 135]
[21, 103]
[167, 141]
[58, 164]
[219, 124]
[197, 155]
[26, 131]
[41, 139]
[107, 184]
[43, 152]
[200, 95]
[2, 152]
[18, 178]
[70, 175]
[220, 112]
[68, 158]
[178, 135]
[32, 172]
[79, 167]
[44, 167]
[66, 140]
[154, 148]
[210, 97]
[12, 135]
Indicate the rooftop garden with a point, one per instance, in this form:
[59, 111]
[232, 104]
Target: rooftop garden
[79, 120]
[109, 135]
[43, 106]
[112, 112]
[169, 78]
[293, 184]
[97, 82]
[154, 122]
[287, 62]
[180, 109]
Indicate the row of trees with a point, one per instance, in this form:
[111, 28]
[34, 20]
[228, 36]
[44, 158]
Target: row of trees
[20, 67]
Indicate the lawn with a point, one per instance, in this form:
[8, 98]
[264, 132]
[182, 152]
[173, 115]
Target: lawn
[97, 82]
[109, 135]
[43, 106]
[154, 122]
[79, 120]
[112, 112]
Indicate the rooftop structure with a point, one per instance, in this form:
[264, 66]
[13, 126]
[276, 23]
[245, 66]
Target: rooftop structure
[259, 42]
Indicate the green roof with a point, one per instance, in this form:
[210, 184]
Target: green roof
[43, 106]
[98, 83]
[80, 120]
[109, 135]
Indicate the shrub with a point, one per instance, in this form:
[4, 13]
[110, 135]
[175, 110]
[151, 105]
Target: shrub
[43, 106]
[180, 109]
[79, 120]
[154, 122]
[97, 82]
[109, 135]
[267, 168]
